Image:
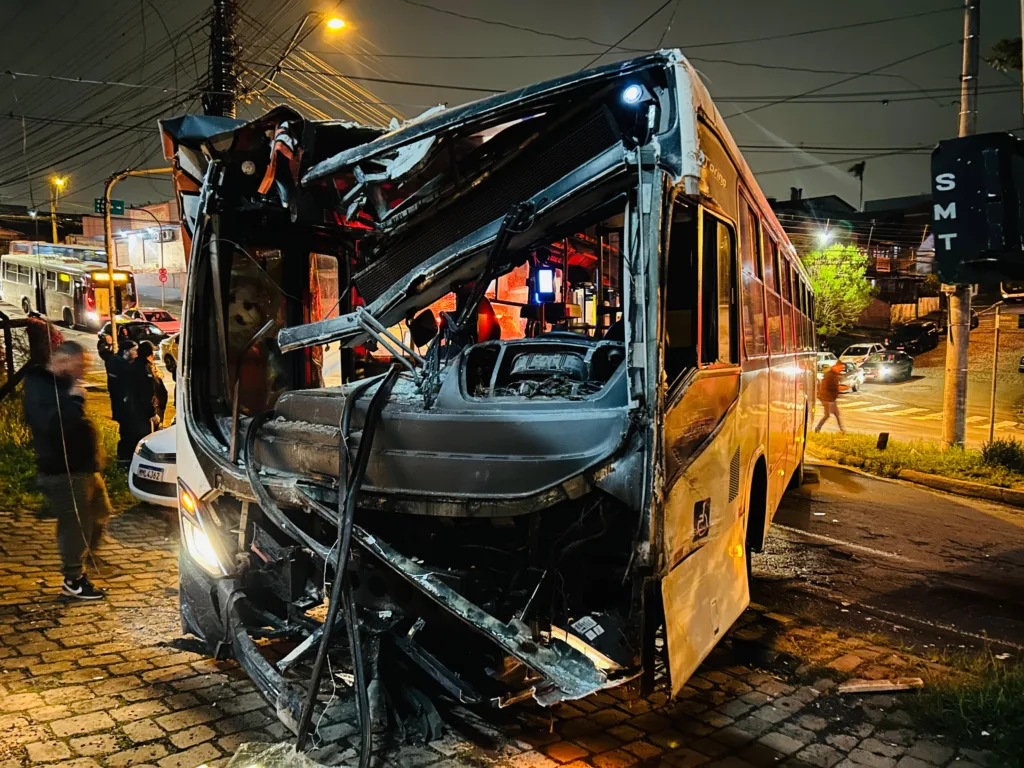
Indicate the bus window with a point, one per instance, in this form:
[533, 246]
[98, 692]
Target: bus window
[718, 255]
[775, 340]
[788, 329]
[769, 263]
[753, 290]
[681, 293]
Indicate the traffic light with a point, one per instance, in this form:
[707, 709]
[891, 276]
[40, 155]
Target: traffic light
[978, 209]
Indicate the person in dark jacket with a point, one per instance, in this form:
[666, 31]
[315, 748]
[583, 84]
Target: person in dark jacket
[145, 396]
[118, 372]
[68, 462]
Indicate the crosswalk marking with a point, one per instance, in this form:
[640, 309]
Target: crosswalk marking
[1006, 424]
[975, 419]
[858, 404]
[929, 417]
[906, 412]
[886, 407]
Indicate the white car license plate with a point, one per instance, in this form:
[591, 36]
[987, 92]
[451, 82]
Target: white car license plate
[150, 473]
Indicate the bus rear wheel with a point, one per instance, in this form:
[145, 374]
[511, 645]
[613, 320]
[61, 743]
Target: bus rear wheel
[69, 318]
[26, 307]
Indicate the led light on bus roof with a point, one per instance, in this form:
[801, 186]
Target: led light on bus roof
[633, 94]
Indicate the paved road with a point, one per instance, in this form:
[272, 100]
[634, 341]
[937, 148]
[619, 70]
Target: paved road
[923, 565]
[115, 684]
[912, 410]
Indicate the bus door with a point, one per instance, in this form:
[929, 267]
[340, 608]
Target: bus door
[705, 590]
[781, 392]
[40, 284]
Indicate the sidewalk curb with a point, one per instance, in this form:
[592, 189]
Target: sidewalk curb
[965, 487]
[1009, 496]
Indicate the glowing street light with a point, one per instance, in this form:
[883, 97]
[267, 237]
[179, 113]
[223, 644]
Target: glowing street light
[824, 238]
[57, 184]
[335, 23]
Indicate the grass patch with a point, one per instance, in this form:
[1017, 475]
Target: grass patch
[957, 463]
[981, 706]
[18, 461]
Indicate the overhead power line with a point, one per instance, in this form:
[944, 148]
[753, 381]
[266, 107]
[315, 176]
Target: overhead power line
[846, 79]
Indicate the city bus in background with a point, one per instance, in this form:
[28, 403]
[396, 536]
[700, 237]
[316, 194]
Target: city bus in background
[1012, 292]
[83, 253]
[597, 392]
[67, 290]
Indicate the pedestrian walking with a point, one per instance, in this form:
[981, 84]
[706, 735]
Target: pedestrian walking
[828, 393]
[68, 463]
[118, 372]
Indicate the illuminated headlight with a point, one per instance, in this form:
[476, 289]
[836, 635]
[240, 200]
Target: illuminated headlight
[200, 548]
[885, 370]
[92, 317]
[197, 541]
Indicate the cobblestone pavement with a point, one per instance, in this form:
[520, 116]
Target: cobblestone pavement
[115, 684]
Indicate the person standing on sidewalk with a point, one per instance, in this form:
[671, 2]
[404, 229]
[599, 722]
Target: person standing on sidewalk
[68, 462]
[118, 372]
[828, 393]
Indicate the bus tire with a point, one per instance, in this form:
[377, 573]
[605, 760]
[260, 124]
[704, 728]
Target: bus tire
[26, 305]
[69, 318]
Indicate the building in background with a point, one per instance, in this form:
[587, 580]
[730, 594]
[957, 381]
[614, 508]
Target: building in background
[890, 232]
[147, 238]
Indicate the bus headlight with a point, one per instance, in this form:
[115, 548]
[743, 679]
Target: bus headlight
[886, 370]
[200, 548]
[197, 541]
[92, 317]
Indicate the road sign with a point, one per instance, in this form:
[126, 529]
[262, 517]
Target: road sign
[99, 205]
[163, 275]
[978, 220]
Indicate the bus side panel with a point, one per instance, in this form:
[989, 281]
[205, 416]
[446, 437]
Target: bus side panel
[706, 590]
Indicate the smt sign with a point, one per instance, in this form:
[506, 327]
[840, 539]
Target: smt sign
[978, 217]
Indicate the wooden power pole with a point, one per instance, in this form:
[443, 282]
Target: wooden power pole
[954, 395]
[223, 76]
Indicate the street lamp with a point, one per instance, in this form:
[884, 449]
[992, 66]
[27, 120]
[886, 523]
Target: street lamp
[824, 238]
[335, 23]
[57, 183]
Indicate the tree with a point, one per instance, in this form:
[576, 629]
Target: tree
[841, 288]
[1005, 55]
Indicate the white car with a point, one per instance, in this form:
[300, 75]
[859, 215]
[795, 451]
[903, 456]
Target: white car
[858, 353]
[154, 473]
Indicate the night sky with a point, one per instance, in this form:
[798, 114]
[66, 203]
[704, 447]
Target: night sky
[103, 40]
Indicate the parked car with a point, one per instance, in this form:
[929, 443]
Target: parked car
[858, 353]
[914, 338]
[135, 330]
[888, 365]
[153, 476]
[169, 355]
[161, 318]
[852, 378]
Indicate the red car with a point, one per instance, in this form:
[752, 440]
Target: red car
[161, 318]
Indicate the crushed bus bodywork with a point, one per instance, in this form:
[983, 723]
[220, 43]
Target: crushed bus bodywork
[433, 348]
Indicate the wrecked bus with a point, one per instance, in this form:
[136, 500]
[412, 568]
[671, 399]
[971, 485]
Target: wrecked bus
[531, 374]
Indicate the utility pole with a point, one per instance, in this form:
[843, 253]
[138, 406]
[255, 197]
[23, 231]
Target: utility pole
[223, 77]
[954, 394]
[108, 239]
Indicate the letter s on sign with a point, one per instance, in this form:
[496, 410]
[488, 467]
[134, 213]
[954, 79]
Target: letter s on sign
[945, 182]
